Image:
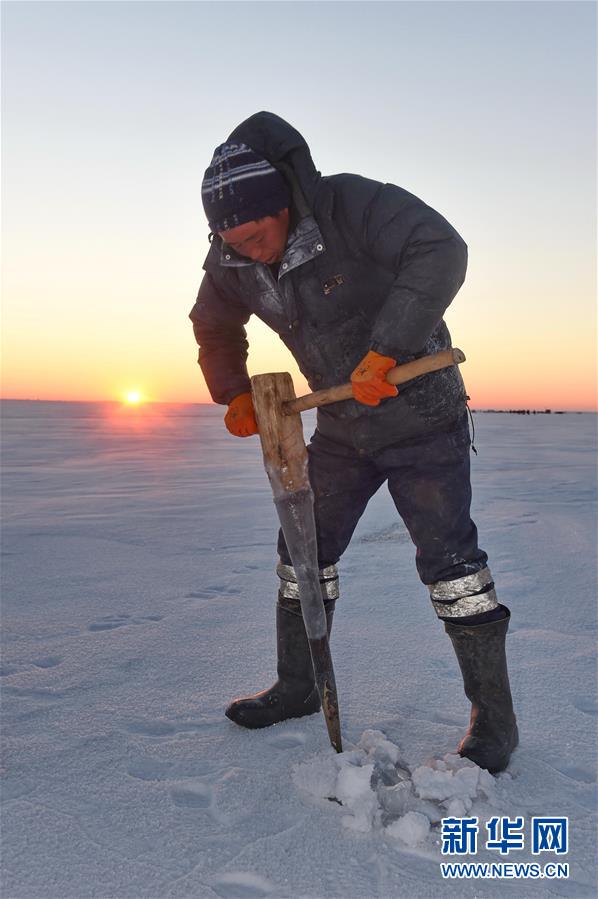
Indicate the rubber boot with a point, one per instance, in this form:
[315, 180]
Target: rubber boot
[492, 734]
[294, 694]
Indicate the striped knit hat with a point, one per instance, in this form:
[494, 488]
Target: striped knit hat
[239, 186]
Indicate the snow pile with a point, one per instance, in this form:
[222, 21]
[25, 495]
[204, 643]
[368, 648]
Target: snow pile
[378, 790]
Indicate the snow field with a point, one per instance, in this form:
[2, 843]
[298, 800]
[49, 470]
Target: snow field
[138, 597]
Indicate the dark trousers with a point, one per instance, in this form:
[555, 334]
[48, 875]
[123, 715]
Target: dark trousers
[429, 481]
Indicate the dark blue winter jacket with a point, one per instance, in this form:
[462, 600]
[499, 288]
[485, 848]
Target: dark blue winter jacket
[367, 266]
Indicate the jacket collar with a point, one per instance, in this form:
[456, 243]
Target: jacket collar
[305, 242]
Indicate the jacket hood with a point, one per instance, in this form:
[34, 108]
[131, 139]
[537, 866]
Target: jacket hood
[282, 145]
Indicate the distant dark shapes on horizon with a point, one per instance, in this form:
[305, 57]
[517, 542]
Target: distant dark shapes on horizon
[525, 411]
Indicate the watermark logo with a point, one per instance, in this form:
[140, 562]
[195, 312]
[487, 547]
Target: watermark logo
[550, 835]
[505, 835]
[459, 836]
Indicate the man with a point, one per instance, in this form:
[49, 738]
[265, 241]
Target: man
[354, 275]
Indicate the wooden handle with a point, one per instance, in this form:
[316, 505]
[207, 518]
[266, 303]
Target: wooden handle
[397, 375]
[281, 435]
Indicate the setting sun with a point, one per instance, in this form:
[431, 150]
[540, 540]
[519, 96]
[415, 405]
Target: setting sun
[133, 397]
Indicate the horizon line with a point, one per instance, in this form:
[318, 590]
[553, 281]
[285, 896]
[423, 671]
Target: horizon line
[532, 409]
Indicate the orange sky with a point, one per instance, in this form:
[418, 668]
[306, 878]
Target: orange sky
[497, 375]
[103, 234]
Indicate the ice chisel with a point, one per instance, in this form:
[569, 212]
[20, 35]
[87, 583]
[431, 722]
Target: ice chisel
[278, 417]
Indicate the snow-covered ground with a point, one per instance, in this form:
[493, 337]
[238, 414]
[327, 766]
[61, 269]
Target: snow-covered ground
[138, 597]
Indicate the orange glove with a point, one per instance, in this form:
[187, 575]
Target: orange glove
[368, 381]
[240, 418]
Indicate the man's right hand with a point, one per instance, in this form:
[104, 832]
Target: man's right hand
[368, 381]
[240, 418]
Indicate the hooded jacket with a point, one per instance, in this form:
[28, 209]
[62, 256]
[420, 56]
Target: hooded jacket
[367, 266]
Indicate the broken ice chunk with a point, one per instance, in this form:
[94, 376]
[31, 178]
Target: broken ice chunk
[397, 800]
[431, 784]
[353, 783]
[412, 829]
[317, 776]
[455, 808]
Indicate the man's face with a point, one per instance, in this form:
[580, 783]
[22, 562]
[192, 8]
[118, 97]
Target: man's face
[262, 241]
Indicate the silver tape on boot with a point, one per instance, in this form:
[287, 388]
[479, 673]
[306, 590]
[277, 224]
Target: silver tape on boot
[290, 589]
[463, 597]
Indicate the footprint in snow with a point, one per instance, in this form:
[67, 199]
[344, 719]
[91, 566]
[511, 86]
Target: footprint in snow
[129, 666]
[583, 775]
[586, 704]
[149, 769]
[195, 797]
[286, 741]
[110, 622]
[46, 695]
[242, 885]
[7, 670]
[159, 728]
[47, 662]
[213, 592]
[524, 519]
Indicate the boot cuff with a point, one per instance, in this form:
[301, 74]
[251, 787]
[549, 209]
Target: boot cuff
[290, 589]
[464, 596]
[495, 628]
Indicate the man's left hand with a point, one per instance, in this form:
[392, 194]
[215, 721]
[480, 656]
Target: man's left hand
[368, 381]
